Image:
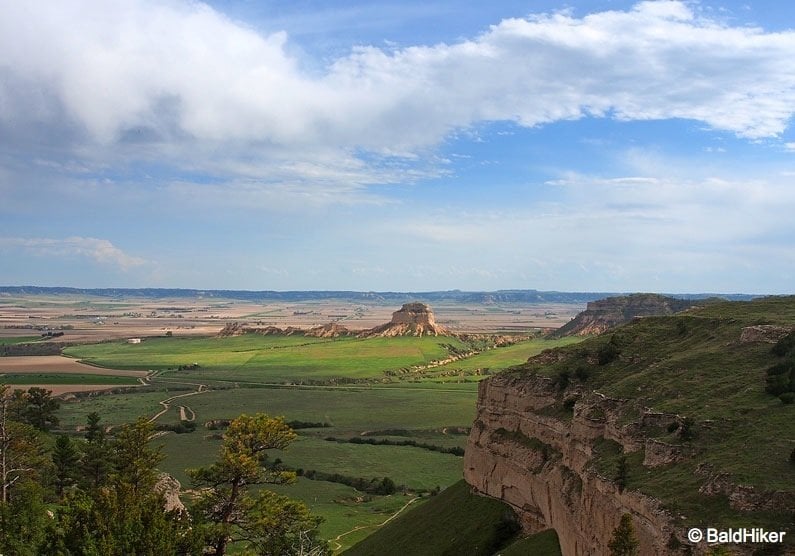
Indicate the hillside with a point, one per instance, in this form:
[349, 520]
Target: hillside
[682, 398]
[455, 522]
[604, 314]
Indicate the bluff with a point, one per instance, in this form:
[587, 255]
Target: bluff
[604, 314]
[412, 319]
[668, 419]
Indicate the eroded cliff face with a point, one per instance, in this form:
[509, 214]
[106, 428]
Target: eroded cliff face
[412, 319]
[604, 314]
[524, 453]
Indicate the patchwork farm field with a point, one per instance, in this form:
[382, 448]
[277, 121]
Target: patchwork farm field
[385, 391]
[255, 358]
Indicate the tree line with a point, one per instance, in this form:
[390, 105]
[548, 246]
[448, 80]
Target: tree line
[102, 494]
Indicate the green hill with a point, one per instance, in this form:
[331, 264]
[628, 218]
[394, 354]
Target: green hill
[724, 374]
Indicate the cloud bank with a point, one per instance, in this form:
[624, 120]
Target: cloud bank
[139, 71]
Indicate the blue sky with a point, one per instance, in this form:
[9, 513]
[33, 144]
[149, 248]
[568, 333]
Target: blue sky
[589, 146]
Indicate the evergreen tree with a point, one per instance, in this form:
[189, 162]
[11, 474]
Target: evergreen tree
[230, 513]
[624, 542]
[96, 461]
[66, 460]
[127, 516]
[622, 472]
[41, 408]
[94, 431]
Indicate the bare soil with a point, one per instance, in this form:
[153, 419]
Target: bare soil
[58, 364]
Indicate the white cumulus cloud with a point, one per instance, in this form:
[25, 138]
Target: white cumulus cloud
[181, 72]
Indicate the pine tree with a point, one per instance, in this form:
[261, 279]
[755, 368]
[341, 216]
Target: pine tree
[96, 460]
[267, 522]
[66, 461]
[624, 542]
[621, 474]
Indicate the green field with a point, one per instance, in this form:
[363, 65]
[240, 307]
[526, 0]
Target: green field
[252, 373]
[115, 409]
[18, 340]
[65, 378]
[255, 358]
[507, 356]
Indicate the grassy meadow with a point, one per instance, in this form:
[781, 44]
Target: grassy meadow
[266, 359]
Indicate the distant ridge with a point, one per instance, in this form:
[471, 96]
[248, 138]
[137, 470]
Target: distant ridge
[604, 314]
[482, 297]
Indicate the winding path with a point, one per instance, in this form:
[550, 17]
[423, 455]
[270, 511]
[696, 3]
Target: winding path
[336, 540]
[200, 389]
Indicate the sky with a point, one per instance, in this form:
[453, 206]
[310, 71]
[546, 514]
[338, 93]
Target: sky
[398, 145]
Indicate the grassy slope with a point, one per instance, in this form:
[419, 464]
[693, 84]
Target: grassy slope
[508, 356]
[694, 365]
[451, 523]
[544, 543]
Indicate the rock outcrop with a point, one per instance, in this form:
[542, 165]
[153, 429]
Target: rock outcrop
[540, 466]
[600, 316]
[169, 487]
[522, 450]
[330, 330]
[413, 319]
[767, 333]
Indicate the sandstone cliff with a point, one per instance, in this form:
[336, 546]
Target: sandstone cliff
[412, 319]
[540, 465]
[679, 399]
[604, 314]
[330, 330]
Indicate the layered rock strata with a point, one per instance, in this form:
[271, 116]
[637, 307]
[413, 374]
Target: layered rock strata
[539, 464]
[604, 314]
[412, 319]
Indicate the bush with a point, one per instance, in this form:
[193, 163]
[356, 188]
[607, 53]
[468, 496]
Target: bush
[608, 352]
[787, 398]
[562, 380]
[686, 431]
[785, 345]
[780, 378]
[582, 373]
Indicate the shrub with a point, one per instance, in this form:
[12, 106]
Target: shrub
[608, 352]
[785, 345]
[787, 398]
[686, 431]
[562, 380]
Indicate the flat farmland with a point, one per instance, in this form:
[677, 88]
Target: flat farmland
[87, 318]
[350, 410]
[59, 364]
[258, 358]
